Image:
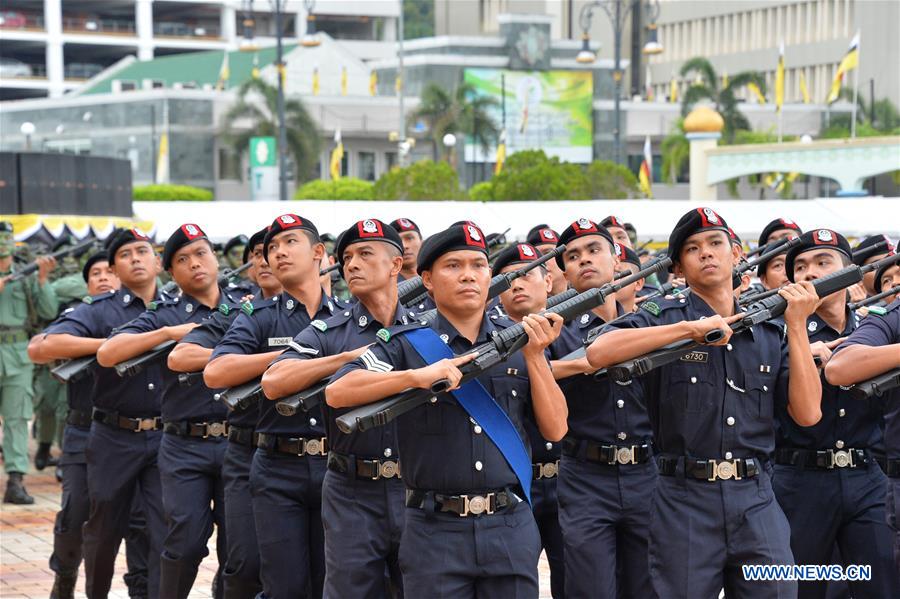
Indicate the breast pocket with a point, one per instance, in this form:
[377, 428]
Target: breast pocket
[512, 392]
[18, 300]
[760, 395]
[691, 391]
[429, 419]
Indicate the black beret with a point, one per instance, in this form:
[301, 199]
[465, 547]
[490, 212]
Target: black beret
[695, 221]
[370, 229]
[236, 240]
[580, 228]
[183, 235]
[542, 235]
[124, 237]
[517, 253]
[401, 225]
[255, 240]
[6, 226]
[112, 236]
[465, 236]
[778, 224]
[734, 238]
[880, 273]
[327, 238]
[284, 223]
[872, 245]
[612, 221]
[92, 260]
[815, 239]
[626, 254]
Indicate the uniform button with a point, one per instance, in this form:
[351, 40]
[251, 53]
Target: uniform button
[842, 412]
[839, 444]
[727, 455]
[693, 379]
[477, 429]
[514, 394]
[387, 452]
[151, 386]
[621, 436]
[765, 388]
[728, 347]
[479, 466]
[549, 445]
[312, 421]
[730, 421]
[620, 403]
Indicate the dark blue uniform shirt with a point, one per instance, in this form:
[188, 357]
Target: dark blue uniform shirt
[346, 331]
[441, 447]
[270, 325]
[181, 403]
[602, 411]
[78, 392]
[877, 330]
[718, 402]
[846, 422]
[134, 396]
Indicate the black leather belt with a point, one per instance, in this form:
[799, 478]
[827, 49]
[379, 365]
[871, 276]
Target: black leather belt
[463, 505]
[825, 459]
[891, 467]
[203, 430]
[297, 446]
[137, 425]
[545, 470]
[362, 469]
[711, 470]
[79, 418]
[241, 435]
[591, 451]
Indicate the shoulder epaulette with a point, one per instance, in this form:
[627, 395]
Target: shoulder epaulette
[502, 320]
[390, 333]
[338, 319]
[658, 305]
[90, 299]
[250, 308]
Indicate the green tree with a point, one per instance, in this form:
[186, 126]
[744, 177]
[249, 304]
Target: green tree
[423, 180]
[418, 18]
[610, 181]
[676, 150]
[531, 176]
[346, 188]
[482, 192]
[723, 97]
[464, 112]
[257, 102]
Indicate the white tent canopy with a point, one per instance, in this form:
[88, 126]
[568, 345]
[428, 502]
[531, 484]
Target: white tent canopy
[654, 219]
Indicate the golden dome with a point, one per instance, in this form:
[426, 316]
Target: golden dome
[703, 119]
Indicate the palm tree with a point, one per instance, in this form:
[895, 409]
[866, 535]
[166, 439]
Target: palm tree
[723, 97]
[257, 102]
[466, 111]
[675, 151]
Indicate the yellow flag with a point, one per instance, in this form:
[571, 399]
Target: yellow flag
[162, 160]
[398, 84]
[724, 79]
[645, 174]
[673, 90]
[757, 92]
[282, 72]
[373, 83]
[337, 155]
[224, 73]
[501, 157]
[254, 72]
[315, 82]
[343, 81]
[804, 91]
[848, 63]
[779, 79]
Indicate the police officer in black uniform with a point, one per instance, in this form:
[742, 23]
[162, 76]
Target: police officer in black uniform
[827, 480]
[289, 463]
[193, 446]
[544, 239]
[469, 531]
[629, 262]
[713, 508]
[125, 434]
[240, 575]
[412, 242]
[865, 252]
[362, 495]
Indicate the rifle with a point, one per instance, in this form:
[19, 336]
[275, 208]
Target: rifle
[755, 297]
[329, 269]
[241, 397]
[32, 267]
[311, 396]
[498, 240]
[132, 366]
[757, 313]
[186, 379]
[766, 247]
[70, 371]
[777, 247]
[876, 386]
[503, 344]
[867, 252]
[172, 287]
[554, 300]
[873, 299]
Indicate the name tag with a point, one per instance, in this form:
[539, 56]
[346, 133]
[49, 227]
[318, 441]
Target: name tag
[279, 341]
[696, 356]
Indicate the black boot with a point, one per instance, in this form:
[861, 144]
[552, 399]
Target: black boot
[64, 586]
[42, 456]
[15, 491]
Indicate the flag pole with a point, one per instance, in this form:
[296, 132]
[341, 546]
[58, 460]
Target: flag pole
[855, 88]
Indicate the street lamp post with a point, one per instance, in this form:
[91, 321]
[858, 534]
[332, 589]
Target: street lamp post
[617, 15]
[27, 129]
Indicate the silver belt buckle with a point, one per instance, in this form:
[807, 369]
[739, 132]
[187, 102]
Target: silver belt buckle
[477, 505]
[389, 469]
[843, 458]
[314, 447]
[549, 470]
[215, 429]
[625, 455]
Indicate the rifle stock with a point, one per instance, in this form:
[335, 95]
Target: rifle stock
[876, 386]
[241, 397]
[133, 366]
[72, 370]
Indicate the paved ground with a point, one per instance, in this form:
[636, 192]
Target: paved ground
[26, 542]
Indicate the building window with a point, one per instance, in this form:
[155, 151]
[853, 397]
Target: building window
[366, 166]
[391, 159]
[229, 165]
[127, 86]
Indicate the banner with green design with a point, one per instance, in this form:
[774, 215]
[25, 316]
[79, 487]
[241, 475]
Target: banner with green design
[547, 110]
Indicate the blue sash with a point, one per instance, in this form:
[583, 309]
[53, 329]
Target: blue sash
[479, 404]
